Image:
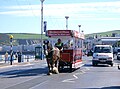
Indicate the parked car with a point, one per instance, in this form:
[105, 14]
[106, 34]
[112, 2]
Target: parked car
[89, 52]
[118, 54]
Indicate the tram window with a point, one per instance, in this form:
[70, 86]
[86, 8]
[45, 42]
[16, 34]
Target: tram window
[69, 44]
[78, 44]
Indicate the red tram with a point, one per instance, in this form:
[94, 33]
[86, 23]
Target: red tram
[71, 56]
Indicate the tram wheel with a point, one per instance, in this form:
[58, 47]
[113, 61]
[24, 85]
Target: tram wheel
[71, 69]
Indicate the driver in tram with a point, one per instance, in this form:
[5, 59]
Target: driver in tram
[59, 44]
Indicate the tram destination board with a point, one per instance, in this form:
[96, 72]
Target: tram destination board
[59, 33]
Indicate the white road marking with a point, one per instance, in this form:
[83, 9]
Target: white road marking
[69, 80]
[75, 77]
[38, 85]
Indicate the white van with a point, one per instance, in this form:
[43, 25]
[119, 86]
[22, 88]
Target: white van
[102, 54]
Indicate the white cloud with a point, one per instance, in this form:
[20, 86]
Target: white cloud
[83, 10]
[23, 7]
[20, 13]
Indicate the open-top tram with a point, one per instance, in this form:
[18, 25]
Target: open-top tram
[71, 55]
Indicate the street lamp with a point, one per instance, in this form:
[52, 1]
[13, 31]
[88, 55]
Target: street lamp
[11, 51]
[79, 27]
[41, 24]
[82, 40]
[66, 22]
[82, 31]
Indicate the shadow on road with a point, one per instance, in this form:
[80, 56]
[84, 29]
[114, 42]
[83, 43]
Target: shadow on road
[88, 65]
[23, 72]
[111, 87]
[99, 65]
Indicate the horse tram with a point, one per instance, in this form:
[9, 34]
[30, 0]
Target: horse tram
[71, 55]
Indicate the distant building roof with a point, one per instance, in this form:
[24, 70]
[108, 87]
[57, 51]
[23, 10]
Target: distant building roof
[110, 38]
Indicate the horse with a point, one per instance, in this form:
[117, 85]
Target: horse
[52, 57]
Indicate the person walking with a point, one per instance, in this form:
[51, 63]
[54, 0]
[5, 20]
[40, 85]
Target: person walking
[6, 57]
[16, 56]
[19, 56]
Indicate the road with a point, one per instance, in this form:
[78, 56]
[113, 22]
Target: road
[33, 76]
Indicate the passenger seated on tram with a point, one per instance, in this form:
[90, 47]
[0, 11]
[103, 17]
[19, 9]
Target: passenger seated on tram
[65, 46]
[69, 45]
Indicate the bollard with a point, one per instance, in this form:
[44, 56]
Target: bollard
[118, 67]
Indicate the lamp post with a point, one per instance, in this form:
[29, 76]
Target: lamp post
[66, 22]
[82, 40]
[41, 25]
[11, 51]
[79, 27]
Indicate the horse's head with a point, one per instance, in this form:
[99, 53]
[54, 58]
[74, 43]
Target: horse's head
[47, 47]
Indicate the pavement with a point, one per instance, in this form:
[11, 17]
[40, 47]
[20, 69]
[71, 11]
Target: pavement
[15, 63]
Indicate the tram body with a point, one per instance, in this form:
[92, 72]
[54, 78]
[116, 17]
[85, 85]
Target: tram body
[71, 56]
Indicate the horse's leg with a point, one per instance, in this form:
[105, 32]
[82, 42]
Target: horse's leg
[49, 66]
[56, 65]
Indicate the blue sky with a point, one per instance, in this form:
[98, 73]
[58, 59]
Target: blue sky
[23, 16]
